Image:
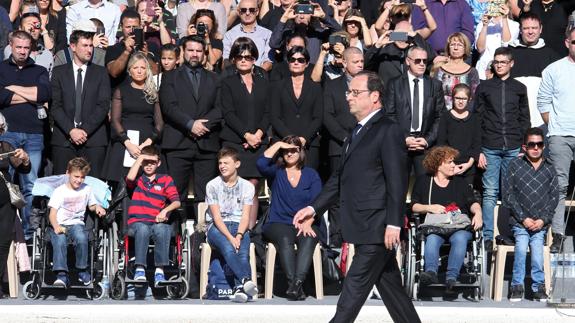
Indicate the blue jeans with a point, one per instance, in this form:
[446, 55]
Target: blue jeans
[497, 162]
[535, 240]
[33, 144]
[75, 234]
[160, 232]
[238, 261]
[458, 241]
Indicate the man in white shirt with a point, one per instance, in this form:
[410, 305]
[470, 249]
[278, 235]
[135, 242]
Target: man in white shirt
[107, 12]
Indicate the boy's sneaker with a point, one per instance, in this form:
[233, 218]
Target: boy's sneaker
[239, 295]
[85, 278]
[159, 278]
[516, 294]
[250, 288]
[540, 295]
[61, 280]
[140, 275]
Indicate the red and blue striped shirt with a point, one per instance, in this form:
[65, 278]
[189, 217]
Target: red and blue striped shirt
[150, 197]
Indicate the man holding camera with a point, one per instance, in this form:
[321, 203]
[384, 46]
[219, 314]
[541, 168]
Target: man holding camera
[333, 68]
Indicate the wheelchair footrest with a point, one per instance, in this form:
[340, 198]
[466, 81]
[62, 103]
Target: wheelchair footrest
[72, 286]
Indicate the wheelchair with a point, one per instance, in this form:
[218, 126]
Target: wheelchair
[42, 276]
[473, 275]
[122, 265]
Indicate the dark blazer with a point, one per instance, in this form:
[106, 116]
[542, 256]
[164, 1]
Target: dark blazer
[370, 183]
[398, 106]
[301, 117]
[180, 108]
[243, 112]
[96, 96]
[336, 116]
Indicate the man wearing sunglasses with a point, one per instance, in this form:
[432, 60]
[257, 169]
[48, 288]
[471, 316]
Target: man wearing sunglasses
[248, 27]
[530, 192]
[416, 101]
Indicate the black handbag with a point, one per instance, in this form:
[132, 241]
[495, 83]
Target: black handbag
[331, 271]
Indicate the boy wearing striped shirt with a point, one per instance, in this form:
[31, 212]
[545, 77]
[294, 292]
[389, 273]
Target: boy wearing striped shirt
[154, 196]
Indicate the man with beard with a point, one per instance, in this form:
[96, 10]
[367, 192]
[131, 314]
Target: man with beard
[190, 139]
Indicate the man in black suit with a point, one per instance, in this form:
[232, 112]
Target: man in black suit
[339, 122]
[192, 121]
[416, 102]
[80, 105]
[370, 185]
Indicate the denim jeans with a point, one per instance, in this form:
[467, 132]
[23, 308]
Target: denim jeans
[457, 251]
[75, 234]
[497, 162]
[535, 240]
[238, 261]
[160, 232]
[33, 144]
[561, 153]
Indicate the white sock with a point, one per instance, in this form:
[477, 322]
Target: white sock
[140, 268]
[159, 270]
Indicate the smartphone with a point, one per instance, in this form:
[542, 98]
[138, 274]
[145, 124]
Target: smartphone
[306, 9]
[138, 37]
[334, 39]
[101, 30]
[151, 7]
[398, 36]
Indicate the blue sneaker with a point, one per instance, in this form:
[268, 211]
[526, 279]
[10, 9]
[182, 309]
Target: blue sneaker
[159, 278]
[140, 275]
[85, 278]
[61, 280]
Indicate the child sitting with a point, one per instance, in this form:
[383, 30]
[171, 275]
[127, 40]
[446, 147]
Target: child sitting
[149, 211]
[67, 208]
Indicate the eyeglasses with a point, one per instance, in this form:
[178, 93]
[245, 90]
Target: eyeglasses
[418, 61]
[245, 10]
[532, 145]
[355, 93]
[300, 60]
[460, 98]
[500, 62]
[248, 58]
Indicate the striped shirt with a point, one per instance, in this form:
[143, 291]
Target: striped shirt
[150, 197]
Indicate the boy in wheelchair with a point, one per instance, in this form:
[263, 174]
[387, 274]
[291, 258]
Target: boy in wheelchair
[149, 212]
[67, 210]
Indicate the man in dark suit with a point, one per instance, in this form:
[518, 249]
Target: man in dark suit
[192, 121]
[370, 185]
[80, 105]
[416, 102]
[339, 122]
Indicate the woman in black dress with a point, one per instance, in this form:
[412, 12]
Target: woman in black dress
[244, 101]
[297, 106]
[21, 162]
[135, 106]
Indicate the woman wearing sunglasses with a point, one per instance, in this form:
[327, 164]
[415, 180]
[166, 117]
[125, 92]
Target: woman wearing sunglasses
[244, 102]
[297, 106]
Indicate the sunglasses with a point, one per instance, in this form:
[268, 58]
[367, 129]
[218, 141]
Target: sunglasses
[248, 58]
[532, 145]
[245, 10]
[300, 60]
[418, 61]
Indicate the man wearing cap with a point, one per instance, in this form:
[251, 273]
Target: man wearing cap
[80, 104]
[65, 56]
[106, 11]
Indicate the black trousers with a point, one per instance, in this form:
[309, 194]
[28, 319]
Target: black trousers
[7, 219]
[283, 236]
[415, 161]
[334, 216]
[374, 264]
[95, 155]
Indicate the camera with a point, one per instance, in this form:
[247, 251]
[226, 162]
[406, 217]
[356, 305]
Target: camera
[398, 36]
[201, 29]
[334, 39]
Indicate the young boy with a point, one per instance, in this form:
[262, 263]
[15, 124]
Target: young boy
[67, 208]
[149, 211]
[230, 198]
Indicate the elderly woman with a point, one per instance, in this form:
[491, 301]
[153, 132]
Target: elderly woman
[21, 162]
[433, 193]
[293, 187]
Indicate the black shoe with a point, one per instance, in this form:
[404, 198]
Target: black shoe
[428, 278]
[450, 286]
[540, 295]
[295, 291]
[488, 246]
[291, 292]
[516, 293]
[557, 244]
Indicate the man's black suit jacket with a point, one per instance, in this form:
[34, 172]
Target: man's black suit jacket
[336, 116]
[180, 107]
[96, 96]
[398, 106]
[370, 183]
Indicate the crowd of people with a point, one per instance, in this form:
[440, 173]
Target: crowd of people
[264, 86]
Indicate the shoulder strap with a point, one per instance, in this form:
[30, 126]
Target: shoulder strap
[429, 196]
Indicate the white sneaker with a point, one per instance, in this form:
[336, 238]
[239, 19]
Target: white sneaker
[239, 295]
[250, 288]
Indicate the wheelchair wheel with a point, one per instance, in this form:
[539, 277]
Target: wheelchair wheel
[410, 262]
[97, 292]
[178, 291]
[118, 287]
[482, 271]
[186, 258]
[31, 289]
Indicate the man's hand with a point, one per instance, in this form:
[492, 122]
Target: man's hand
[528, 223]
[302, 215]
[411, 143]
[482, 163]
[421, 143]
[252, 140]
[477, 221]
[391, 237]
[289, 13]
[318, 11]
[59, 229]
[198, 128]
[383, 40]
[162, 216]
[537, 225]
[100, 211]
[78, 136]
[130, 43]
[235, 243]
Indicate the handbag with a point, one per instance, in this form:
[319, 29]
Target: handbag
[16, 197]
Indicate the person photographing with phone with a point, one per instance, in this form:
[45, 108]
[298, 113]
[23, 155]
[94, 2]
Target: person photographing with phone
[158, 24]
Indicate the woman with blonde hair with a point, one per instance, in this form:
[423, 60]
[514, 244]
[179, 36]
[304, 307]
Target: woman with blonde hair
[135, 108]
